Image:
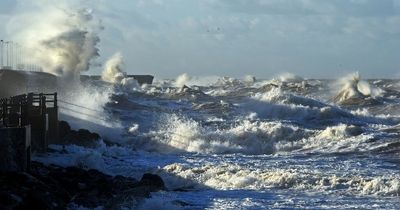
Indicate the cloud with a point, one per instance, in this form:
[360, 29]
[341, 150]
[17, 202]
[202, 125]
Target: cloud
[311, 7]
[7, 6]
[167, 37]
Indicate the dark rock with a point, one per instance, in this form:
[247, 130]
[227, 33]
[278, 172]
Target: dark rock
[54, 187]
[9, 201]
[82, 137]
[64, 129]
[154, 182]
[24, 191]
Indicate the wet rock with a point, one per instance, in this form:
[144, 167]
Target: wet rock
[82, 137]
[24, 191]
[153, 182]
[53, 187]
[64, 129]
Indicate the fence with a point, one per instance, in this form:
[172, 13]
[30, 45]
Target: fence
[39, 111]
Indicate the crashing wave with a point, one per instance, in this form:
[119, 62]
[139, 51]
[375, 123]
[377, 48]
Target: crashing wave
[177, 134]
[188, 93]
[356, 92]
[289, 77]
[298, 86]
[277, 104]
[229, 176]
[114, 73]
[182, 80]
[227, 81]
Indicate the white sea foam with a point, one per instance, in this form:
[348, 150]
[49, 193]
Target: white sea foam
[273, 141]
[227, 81]
[177, 133]
[289, 77]
[353, 87]
[276, 104]
[161, 202]
[83, 106]
[249, 79]
[229, 176]
[182, 80]
[114, 73]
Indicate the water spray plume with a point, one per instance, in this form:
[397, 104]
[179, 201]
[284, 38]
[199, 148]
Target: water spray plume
[355, 88]
[61, 41]
[182, 80]
[113, 71]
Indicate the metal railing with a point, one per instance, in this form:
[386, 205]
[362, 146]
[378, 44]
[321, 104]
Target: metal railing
[16, 110]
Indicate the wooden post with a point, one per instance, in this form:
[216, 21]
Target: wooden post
[52, 113]
[4, 108]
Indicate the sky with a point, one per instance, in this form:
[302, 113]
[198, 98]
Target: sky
[264, 38]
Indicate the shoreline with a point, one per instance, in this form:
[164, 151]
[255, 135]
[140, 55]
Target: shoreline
[56, 187]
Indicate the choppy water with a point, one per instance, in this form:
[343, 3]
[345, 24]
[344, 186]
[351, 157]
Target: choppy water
[222, 143]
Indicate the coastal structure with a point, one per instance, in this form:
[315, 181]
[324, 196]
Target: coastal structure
[28, 121]
[141, 79]
[15, 82]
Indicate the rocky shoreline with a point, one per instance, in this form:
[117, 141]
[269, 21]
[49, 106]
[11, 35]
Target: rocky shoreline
[55, 187]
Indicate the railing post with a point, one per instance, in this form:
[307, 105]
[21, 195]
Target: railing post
[30, 99]
[4, 105]
[55, 100]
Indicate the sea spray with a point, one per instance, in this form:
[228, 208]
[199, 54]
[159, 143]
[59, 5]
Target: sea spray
[60, 41]
[249, 79]
[352, 87]
[182, 80]
[289, 77]
[177, 134]
[84, 106]
[114, 73]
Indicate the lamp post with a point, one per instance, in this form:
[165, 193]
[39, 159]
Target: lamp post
[16, 53]
[1, 54]
[12, 55]
[7, 51]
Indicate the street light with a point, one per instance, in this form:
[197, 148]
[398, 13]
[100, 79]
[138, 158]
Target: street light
[7, 51]
[12, 55]
[1, 54]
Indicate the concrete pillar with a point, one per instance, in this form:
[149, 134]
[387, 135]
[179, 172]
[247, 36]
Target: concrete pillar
[15, 148]
[53, 131]
[39, 139]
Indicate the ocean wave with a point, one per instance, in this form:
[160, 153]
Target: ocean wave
[176, 133]
[228, 176]
[355, 91]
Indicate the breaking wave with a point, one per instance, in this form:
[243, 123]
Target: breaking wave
[176, 133]
[355, 91]
[228, 176]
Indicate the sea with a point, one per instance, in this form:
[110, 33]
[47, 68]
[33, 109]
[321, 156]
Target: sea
[244, 143]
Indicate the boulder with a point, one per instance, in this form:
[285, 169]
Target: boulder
[153, 182]
[64, 128]
[53, 187]
[82, 137]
